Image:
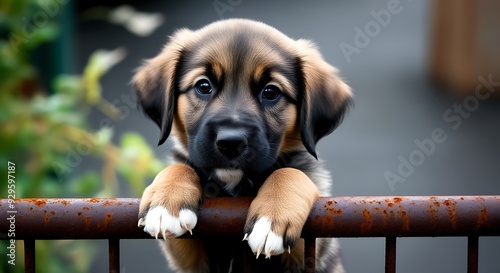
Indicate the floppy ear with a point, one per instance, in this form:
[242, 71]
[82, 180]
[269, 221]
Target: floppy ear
[154, 83]
[326, 97]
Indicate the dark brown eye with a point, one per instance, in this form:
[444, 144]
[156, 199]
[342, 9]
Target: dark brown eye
[270, 93]
[203, 87]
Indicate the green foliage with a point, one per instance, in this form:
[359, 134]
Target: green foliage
[48, 136]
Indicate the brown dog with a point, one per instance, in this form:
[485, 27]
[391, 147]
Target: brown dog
[245, 106]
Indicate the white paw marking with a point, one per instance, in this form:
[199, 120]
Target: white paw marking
[263, 239]
[159, 221]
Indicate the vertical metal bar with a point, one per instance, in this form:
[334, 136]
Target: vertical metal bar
[390, 254]
[114, 255]
[472, 254]
[310, 255]
[29, 256]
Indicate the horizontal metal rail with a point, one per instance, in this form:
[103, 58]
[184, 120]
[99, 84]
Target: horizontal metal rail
[390, 217]
[330, 217]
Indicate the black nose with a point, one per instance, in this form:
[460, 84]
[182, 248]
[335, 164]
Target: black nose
[231, 142]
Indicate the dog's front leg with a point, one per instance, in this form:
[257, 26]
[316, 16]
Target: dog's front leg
[168, 206]
[168, 210]
[278, 213]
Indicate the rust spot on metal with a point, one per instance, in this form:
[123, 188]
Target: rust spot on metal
[384, 218]
[367, 225]
[87, 223]
[109, 217]
[46, 218]
[64, 202]
[327, 221]
[398, 200]
[390, 204]
[434, 212]
[40, 202]
[406, 220]
[329, 202]
[94, 200]
[334, 211]
[109, 202]
[52, 212]
[480, 198]
[451, 207]
[80, 213]
[482, 218]
[86, 208]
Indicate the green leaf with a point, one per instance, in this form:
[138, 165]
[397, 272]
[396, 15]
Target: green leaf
[100, 62]
[68, 84]
[103, 136]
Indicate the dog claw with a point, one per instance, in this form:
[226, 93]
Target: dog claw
[258, 253]
[289, 251]
[245, 238]
[185, 226]
[141, 222]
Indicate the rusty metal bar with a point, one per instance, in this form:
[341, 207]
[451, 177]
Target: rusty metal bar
[472, 254]
[114, 255]
[29, 256]
[330, 217]
[310, 255]
[390, 254]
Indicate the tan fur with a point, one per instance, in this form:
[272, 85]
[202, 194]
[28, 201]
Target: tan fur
[160, 69]
[186, 255]
[180, 120]
[286, 198]
[291, 138]
[189, 79]
[174, 187]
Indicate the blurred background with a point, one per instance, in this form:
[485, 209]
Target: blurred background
[426, 120]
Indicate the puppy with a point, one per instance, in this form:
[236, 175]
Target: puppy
[245, 106]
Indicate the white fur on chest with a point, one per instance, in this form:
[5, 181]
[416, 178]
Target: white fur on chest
[230, 177]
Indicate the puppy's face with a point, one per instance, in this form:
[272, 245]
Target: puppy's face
[238, 94]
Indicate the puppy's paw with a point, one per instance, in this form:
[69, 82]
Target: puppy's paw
[278, 213]
[263, 239]
[159, 221]
[168, 206]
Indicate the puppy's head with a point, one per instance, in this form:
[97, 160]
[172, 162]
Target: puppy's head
[238, 94]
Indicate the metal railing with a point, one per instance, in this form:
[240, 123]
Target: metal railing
[390, 217]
